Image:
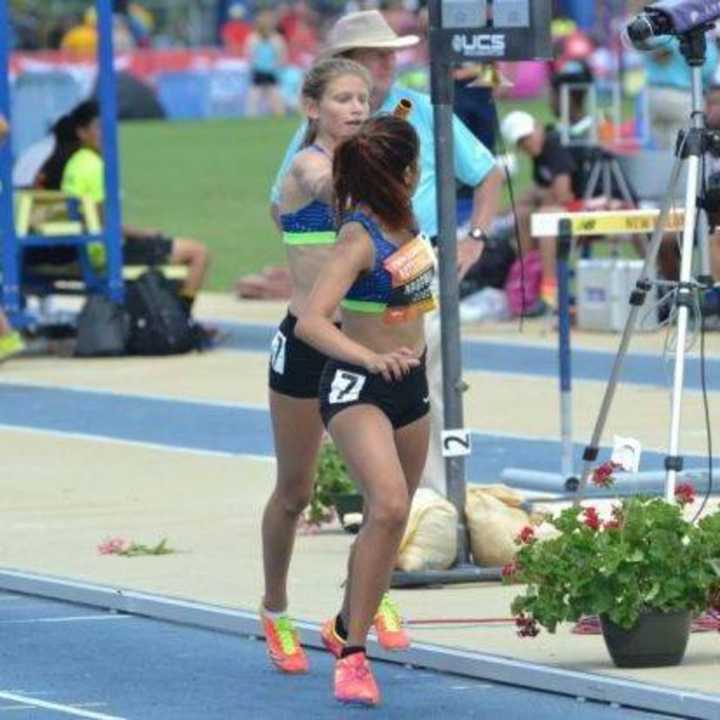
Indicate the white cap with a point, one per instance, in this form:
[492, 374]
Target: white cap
[516, 126]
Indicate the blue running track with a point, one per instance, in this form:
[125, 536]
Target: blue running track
[59, 660]
[525, 359]
[233, 428]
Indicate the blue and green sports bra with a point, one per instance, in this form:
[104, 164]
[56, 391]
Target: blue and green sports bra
[313, 224]
[399, 285]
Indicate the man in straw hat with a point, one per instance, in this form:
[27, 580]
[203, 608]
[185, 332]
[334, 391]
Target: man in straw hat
[368, 39]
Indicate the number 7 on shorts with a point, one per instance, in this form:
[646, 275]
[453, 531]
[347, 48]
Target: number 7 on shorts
[346, 386]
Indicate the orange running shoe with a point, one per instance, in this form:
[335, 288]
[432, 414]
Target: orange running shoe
[331, 640]
[354, 681]
[388, 626]
[283, 644]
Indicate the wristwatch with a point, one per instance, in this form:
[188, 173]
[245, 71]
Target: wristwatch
[477, 233]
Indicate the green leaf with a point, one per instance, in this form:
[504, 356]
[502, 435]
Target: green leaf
[656, 560]
[138, 549]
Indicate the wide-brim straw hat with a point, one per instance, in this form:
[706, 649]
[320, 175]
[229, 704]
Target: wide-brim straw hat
[366, 29]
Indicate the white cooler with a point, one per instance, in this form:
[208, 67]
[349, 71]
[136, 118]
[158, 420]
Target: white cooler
[603, 288]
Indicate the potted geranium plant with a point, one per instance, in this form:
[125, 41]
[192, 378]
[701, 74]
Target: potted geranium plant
[645, 570]
[333, 491]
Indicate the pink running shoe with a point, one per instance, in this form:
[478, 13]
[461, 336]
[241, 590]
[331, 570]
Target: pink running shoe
[354, 681]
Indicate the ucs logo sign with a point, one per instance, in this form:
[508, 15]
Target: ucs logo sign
[479, 45]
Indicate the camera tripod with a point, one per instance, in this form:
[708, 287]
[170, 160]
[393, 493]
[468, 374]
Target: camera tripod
[606, 175]
[691, 146]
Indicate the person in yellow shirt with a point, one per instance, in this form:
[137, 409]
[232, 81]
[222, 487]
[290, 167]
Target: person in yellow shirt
[81, 40]
[84, 176]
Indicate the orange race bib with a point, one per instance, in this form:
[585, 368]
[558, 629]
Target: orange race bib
[411, 268]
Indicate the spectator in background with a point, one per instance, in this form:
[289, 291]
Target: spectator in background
[83, 175]
[669, 83]
[298, 26]
[267, 53]
[236, 29]
[474, 104]
[29, 165]
[81, 39]
[560, 176]
[138, 20]
[65, 143]
[398, 17]
[555, 186]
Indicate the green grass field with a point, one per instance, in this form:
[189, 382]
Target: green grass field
[210, 180]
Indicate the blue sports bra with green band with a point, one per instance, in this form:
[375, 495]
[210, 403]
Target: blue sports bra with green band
[313, 224]
[399, 285]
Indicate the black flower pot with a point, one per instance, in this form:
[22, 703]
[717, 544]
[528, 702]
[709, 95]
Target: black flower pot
[657, 639]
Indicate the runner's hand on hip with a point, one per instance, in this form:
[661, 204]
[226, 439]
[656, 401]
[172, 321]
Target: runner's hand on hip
[393, 365]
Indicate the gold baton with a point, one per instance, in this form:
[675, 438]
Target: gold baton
[403, 108]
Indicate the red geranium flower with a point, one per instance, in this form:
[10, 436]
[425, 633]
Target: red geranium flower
[603, 474]
[592, 519]
[526, 536]
[685, 494]
[528, 626]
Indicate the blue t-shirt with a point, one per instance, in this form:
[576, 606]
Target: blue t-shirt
[265, 56]
[671, 69]
[473, 161]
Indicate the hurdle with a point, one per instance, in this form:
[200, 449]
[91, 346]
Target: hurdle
[566, 227]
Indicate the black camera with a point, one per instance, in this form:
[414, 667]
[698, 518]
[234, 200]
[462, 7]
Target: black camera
[672, 17]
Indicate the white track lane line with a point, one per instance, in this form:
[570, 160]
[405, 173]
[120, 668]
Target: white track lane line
[67, 709]
[70, 618]
[135, 443]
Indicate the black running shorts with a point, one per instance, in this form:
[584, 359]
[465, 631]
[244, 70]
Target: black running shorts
[147, 249]
[403, 401]
[295, 366]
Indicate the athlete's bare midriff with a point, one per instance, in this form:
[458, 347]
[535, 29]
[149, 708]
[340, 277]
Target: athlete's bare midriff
[305, 264]
[374, 333]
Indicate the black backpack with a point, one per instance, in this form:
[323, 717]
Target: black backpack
[102, 328]
[491, 270]
[159, 325]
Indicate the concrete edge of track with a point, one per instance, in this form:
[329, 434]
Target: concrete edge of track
[629, 693]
